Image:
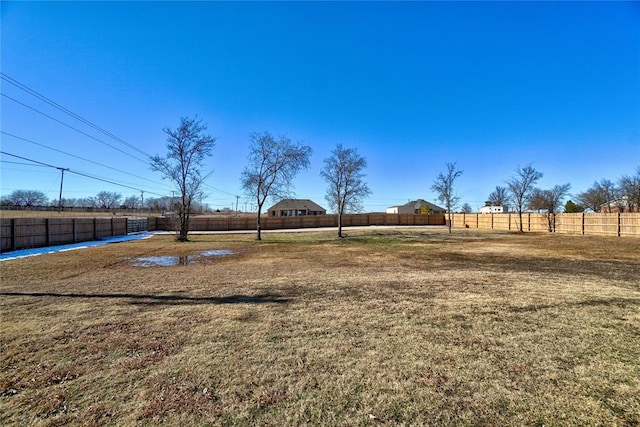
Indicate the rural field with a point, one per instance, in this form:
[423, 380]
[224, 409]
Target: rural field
[404, 326]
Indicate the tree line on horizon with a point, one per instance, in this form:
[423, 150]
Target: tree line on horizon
[102, 200]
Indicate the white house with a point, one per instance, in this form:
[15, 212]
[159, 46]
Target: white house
[491, 209]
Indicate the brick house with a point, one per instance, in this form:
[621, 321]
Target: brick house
[296, 207]
[416, 207]
[619, 205]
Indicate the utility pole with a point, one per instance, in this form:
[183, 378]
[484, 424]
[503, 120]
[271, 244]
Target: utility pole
[61, 180]
[141, 199]
[237, 197]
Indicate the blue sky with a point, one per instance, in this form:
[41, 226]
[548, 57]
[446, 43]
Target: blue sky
[413, 85]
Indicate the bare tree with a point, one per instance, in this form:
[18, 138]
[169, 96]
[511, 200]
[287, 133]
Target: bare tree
[132, 202]
[187, 147]
[159, 204]
[549, 201]
[591, 199]
[107, 199]
[600, 194]
[273, 163]
[343, 171]
[466, 208]
[608, 192]
[629, 187]
[520, 186]
[27, 198]
[444, 188]
[499, 196]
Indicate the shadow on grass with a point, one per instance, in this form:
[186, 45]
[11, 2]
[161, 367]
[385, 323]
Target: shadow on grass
[618, 302]
[162, 299]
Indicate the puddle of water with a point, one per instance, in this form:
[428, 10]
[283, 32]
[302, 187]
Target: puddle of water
[159, 261]
[173, 260]
[217, 252]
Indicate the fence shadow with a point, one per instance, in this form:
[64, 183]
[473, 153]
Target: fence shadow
[161, 299]
[618, 302]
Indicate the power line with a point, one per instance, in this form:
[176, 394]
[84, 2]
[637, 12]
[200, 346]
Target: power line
[71, 127]
[29, 160]
[49, 101]
[77, 157]
[78, 173]
[217, 189]
[19, 163]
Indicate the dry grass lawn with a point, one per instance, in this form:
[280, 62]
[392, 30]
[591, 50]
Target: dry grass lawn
[398, 327]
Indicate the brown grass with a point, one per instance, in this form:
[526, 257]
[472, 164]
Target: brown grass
[404, 326]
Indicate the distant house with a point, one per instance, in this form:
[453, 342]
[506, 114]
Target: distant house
[491, 209]
[296, 207]
[416, 207]
[619, 205]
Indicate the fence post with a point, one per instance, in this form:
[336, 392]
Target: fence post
[73, 230]
[14, 231]
[48, 234]
[582, 223]
[509, 221]
[492, 221]
[112, 230]
[619, 225]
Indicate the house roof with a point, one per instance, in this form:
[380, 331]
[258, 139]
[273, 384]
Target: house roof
[291, 204]
[418, 204]
[621, 201]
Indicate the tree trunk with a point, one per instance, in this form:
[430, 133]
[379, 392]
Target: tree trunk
[340, 225]
[258, 226]
[520, 215]
[184, 226]
[449, 222]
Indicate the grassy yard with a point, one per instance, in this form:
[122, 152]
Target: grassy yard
[403, 326]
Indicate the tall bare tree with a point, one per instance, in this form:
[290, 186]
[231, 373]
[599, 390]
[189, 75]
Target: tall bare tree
[520, 186]
[273, 163]
[187, 147]
[444, 188]
[344, 172]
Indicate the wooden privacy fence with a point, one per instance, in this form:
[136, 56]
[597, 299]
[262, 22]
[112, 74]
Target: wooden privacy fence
[600, 224]
[22, 233]
[224, 223]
